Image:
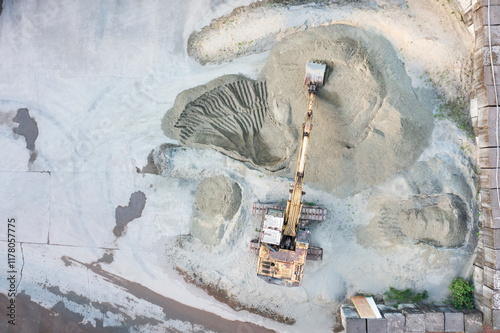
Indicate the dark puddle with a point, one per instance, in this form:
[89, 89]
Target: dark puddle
[133, 210]
[27, 128]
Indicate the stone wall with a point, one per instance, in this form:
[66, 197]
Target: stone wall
[485, 112]
[413, 318]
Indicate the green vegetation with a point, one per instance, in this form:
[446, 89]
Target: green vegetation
[457, 110]
[466, 148]
[293, 2]
[462, 294]
[404, 296]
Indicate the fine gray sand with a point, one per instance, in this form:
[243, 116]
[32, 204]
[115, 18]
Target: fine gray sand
[218, 195]
[439, 220]
[434, 205]
[232, 115]
[217, 200]
[369, 123]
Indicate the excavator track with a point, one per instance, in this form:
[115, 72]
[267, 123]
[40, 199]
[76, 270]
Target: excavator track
[313, 213]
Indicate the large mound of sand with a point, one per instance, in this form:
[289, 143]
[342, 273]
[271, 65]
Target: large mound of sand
[233, 115]
[369, 123]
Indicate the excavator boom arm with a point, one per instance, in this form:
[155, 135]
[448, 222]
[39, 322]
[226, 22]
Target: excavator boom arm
[294, 205]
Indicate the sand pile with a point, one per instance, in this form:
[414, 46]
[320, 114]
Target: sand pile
[437, 220]
[217, 200]
[369, 123]
[433, 203]
[231, 115]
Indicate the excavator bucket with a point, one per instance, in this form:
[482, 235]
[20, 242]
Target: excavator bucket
[315, 74]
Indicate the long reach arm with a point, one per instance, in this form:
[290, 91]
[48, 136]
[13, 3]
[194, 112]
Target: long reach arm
[294, 205]
[314, 78]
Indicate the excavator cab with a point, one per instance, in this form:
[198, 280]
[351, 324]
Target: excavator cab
[282, 257]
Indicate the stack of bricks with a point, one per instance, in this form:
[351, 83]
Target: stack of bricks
[486, 122]
[413, 318]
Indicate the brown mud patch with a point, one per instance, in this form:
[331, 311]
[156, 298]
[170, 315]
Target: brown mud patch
[32, 317]
[171, 308]
[223, 296]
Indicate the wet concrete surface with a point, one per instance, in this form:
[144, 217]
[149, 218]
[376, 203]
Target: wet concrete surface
[173, 309]
[32, 317]
[125, 214]
[105, 308]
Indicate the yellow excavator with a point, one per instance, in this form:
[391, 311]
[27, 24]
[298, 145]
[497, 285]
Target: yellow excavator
[283, 244]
